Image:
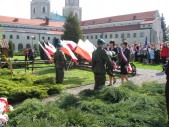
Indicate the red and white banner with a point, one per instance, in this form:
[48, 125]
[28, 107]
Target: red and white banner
[83, 51]
[72, 45]
[68, 51]
[47, 53]
[50, 49]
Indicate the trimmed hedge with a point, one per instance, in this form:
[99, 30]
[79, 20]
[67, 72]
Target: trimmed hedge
[126, 106]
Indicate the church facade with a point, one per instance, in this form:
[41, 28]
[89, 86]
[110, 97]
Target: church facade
[45, 26]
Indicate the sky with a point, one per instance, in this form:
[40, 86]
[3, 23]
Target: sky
[91, 9]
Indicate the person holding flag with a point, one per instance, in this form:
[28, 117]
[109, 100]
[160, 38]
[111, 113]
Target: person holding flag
[124, 61]
[60, 63]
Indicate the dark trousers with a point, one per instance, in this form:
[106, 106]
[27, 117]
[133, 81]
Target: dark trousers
[100, 80]
[59, 75]
[167, 95]
[164, 60]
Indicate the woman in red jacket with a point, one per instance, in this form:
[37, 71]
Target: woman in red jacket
[164, 54]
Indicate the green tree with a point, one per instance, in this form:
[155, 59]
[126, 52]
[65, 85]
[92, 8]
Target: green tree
[72, 29]
[11, 48]
[164, 28]
[168, 32]
[0, 35]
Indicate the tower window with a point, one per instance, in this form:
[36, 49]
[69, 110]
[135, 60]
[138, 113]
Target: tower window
[34, 10]
[44, 10]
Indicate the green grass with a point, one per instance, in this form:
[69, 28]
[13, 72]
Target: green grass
[22, 58]
[148, 66]
[129, 105]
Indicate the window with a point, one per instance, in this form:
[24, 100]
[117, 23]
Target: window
[101, 36]
[122, 35]
[28, 45]
[11, 37]
[134, 35]
[20, 46]
[48, 38]
[3, 36]
[87, 37]
[141, 34]
[111, 36]
[128, 35]
[44, 10]
[34, 10]
[105, 36]
[116, 35]
[96, 37]
[28, 37]
[91, 37]
[17, 36]
[43, 38]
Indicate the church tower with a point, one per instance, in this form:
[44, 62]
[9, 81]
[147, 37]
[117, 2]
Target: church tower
[72, 6]
[40, 9]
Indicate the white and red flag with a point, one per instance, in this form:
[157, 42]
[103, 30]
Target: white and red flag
[47, 53]
[50, 49]
[83, 51]
[72, 45]
[68, 51]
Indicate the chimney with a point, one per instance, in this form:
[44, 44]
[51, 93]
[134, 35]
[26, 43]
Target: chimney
[15, 20]
[134, 17]
[46, 21]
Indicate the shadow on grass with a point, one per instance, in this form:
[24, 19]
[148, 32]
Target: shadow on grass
[47, 70]
[74, 80]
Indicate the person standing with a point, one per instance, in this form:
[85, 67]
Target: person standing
[167, 89]
[31, 56]
[152, 55]
[110, 71]
[99, 60]
[164, 54]
[124, 61]
[60, 64]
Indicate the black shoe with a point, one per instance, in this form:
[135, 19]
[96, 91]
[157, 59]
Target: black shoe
[114, 82]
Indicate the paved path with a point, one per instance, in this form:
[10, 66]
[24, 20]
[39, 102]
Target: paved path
[141, 77]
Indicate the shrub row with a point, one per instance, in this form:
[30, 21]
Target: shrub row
[126, 106]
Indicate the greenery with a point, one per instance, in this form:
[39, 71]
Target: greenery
[164, 28]
[39, 85]
[148, 66]
[129, 105]
[72, 29]
[11, 49]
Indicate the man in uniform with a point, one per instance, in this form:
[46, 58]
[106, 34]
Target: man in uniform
[167, 89]
[60, 64]
[99, 60]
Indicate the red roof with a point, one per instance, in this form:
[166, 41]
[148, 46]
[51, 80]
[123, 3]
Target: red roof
[36, 22]
[128, 17]
[112, 29]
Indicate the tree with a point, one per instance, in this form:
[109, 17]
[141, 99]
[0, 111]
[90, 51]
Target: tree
[0, 35]
[164, 28]
[72, 29]
[168, 32]
[11, 48]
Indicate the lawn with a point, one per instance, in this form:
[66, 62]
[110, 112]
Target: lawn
[39, 85]
[148, 66]
[129, 105]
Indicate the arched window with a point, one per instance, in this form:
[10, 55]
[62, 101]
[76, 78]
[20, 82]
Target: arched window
[28, 45]
[20, 47]
[34, 10]
[44, 10]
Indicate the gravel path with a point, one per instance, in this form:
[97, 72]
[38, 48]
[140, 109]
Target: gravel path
[141, 77]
